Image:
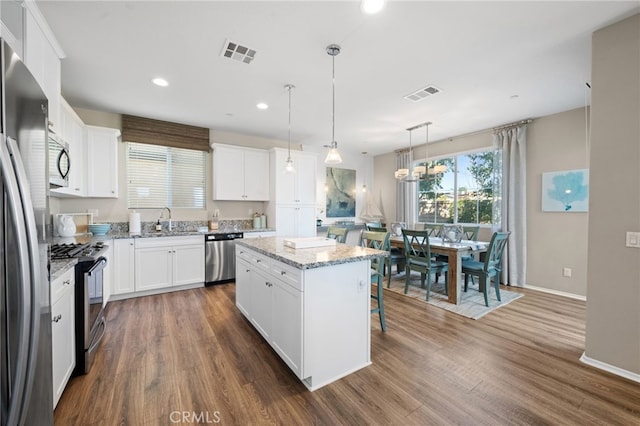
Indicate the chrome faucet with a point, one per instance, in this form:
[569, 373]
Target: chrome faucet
[169, 210]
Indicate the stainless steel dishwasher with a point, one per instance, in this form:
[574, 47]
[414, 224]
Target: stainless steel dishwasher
[220, 257]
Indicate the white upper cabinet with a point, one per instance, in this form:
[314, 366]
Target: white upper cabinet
[102, 161]
[43, 61]
[294, 188]
[72, 132]
[240, 173]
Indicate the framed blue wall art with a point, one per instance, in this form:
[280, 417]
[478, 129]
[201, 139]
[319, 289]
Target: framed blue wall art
[341, 192]
[565, 191]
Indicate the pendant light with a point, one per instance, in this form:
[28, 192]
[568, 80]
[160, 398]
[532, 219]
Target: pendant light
[403, 174]
[333, 156]
[437, 168]
[289, 168]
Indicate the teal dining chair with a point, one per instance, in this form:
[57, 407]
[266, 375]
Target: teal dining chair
[470, 233]
[434, 229]
[338, 233]
[378, 241]
[417, 253]
[490, 268]
[396, 257]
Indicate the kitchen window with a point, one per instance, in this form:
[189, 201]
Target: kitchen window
[159, 176]
[460, 189]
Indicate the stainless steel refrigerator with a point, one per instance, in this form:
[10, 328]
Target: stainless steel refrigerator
[25, 308]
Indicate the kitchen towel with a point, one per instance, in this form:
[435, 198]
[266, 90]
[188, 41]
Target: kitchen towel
[134, 222]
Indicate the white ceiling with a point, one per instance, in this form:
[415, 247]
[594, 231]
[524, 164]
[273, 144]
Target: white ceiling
[480, 54]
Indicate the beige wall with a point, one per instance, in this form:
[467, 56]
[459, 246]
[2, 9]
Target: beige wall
[554, 143]
[613, 276]
[556, 240]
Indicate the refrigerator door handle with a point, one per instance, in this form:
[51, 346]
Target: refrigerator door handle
[19, 200]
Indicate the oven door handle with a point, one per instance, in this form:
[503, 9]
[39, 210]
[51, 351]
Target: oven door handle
[99, 265]
[98, 338]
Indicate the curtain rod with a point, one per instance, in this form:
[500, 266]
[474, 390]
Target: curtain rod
[477, 132]
[514, 124]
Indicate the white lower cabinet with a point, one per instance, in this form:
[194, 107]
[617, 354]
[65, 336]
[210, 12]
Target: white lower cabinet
[63, 336]
[166, 262]
[143, 266]
[273, 305]
[243, 295]
[317, 320]
[286, 334]
[123, 266]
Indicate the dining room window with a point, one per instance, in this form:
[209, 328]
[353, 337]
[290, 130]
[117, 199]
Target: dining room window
[460, 189]
[162, 176]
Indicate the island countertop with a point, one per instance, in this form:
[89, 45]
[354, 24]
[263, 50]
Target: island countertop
[308, 258]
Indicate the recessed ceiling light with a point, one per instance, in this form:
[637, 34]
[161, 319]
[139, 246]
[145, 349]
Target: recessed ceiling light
[160, 82]
[262, 105]
[372, 6]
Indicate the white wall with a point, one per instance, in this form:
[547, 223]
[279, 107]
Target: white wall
[115, 210]
[361, 163]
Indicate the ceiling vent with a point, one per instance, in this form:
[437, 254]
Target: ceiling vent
[238, 52]
[423, 93]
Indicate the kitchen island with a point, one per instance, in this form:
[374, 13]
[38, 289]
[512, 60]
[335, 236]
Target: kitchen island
[312, 305]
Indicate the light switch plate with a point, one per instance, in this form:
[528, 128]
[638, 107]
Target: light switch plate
[633, 239]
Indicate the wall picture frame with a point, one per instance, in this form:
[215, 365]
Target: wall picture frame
[565, 191]
[341, 187]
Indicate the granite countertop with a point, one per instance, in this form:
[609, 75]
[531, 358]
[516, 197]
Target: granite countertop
[90, 238]
[309, 258]
[59, 267]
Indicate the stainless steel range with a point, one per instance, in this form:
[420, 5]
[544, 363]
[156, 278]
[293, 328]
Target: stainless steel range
[90, 321]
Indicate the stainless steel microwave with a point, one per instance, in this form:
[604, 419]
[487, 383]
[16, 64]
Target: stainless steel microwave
[59, 163]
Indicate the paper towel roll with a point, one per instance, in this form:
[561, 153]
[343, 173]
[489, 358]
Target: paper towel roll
[134, 223]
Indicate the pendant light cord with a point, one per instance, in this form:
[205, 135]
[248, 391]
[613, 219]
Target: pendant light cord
[333, 111]
[289, 87]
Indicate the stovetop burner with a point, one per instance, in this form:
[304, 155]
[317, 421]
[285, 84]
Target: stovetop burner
[71, 250]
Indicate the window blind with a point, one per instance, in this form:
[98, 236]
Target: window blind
[157, 132]
[161, 176]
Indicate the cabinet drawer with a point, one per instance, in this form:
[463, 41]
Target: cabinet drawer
[243, 253]
[169, 241]
[288, 274]
[62, 283]
[262, 262]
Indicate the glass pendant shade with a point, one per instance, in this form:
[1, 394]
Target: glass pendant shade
[289, 167]
[333, 156]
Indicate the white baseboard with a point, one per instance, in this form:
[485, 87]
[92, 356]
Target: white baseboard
[610, 368]
[556, 292]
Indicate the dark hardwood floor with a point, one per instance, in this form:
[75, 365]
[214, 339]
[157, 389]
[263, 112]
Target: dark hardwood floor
[191, 357]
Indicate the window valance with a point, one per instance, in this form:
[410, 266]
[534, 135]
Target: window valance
[157, 132]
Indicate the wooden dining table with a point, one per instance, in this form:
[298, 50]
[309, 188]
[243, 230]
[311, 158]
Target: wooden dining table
[454, 253]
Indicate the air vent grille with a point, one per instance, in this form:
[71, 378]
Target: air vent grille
[419, 95]
[238, 52]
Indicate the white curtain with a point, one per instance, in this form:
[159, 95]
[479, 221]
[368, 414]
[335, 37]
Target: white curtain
[512, 216]
[406, 193]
